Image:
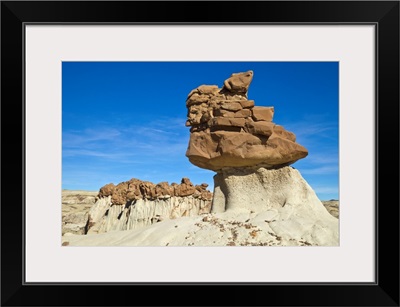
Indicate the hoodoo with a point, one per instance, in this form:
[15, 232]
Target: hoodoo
[228, 130]
[259, 199]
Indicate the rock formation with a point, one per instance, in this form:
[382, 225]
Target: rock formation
[269, 208]
[258, 198]
[75, 209]
[332, 206]
[228, 130]
[135, 203]
[251, 155]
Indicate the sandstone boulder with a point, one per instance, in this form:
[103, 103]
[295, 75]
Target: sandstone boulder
[246, 103]
[231, 106]
[263, 113]
[260, 128]
[251, 137]
[238, 83]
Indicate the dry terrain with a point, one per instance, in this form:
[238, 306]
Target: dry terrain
[75, 206]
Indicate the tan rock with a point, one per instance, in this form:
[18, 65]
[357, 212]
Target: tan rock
[136, 189]
[196, 99]
[234, 143]
[231, 106]
[226, 121]
[223, 113]
[239, 82]
[244, 113]
[75, 208]
[197, 128]
[186, 188]
[246, 103]
[208, 89]
[233, 97]
[147, 189]
[207, 195]
[236, 133]
[279, 130]
[263, 113]
[204, 90]
[164, 189]
[201, 145]
[107, 190]
[217, 100]
[332, 206]
[198, 114]
[284, 151]
[261, 128]
[239, 149]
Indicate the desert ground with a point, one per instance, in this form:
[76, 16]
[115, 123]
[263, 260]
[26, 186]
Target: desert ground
[75, 207]
[77, 203]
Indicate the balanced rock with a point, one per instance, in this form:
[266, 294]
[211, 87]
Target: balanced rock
[228, 130]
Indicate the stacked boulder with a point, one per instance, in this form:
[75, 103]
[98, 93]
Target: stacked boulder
[136, 203]
[250, 154]
[228, 130]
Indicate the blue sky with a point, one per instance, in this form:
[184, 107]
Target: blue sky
[123, 120]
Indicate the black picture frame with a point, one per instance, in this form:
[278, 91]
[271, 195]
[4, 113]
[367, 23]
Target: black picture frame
[383, 14]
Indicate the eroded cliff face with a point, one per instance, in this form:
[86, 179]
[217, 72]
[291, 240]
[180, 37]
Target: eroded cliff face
[75, 208]
[104, 216]
[133, 204]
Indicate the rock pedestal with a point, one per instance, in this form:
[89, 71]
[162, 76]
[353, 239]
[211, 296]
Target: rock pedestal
[251, 155]
[261, 189]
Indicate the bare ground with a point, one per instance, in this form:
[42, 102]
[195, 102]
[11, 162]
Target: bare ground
[76, 204]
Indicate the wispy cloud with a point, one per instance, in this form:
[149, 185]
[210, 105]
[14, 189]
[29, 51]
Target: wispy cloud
[85, 152]
[159, 141]
[307, 132]
[329, 156]
[88, 137]
[324, 170]
[325, 189]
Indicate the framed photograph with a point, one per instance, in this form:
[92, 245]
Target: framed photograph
[243, 152]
